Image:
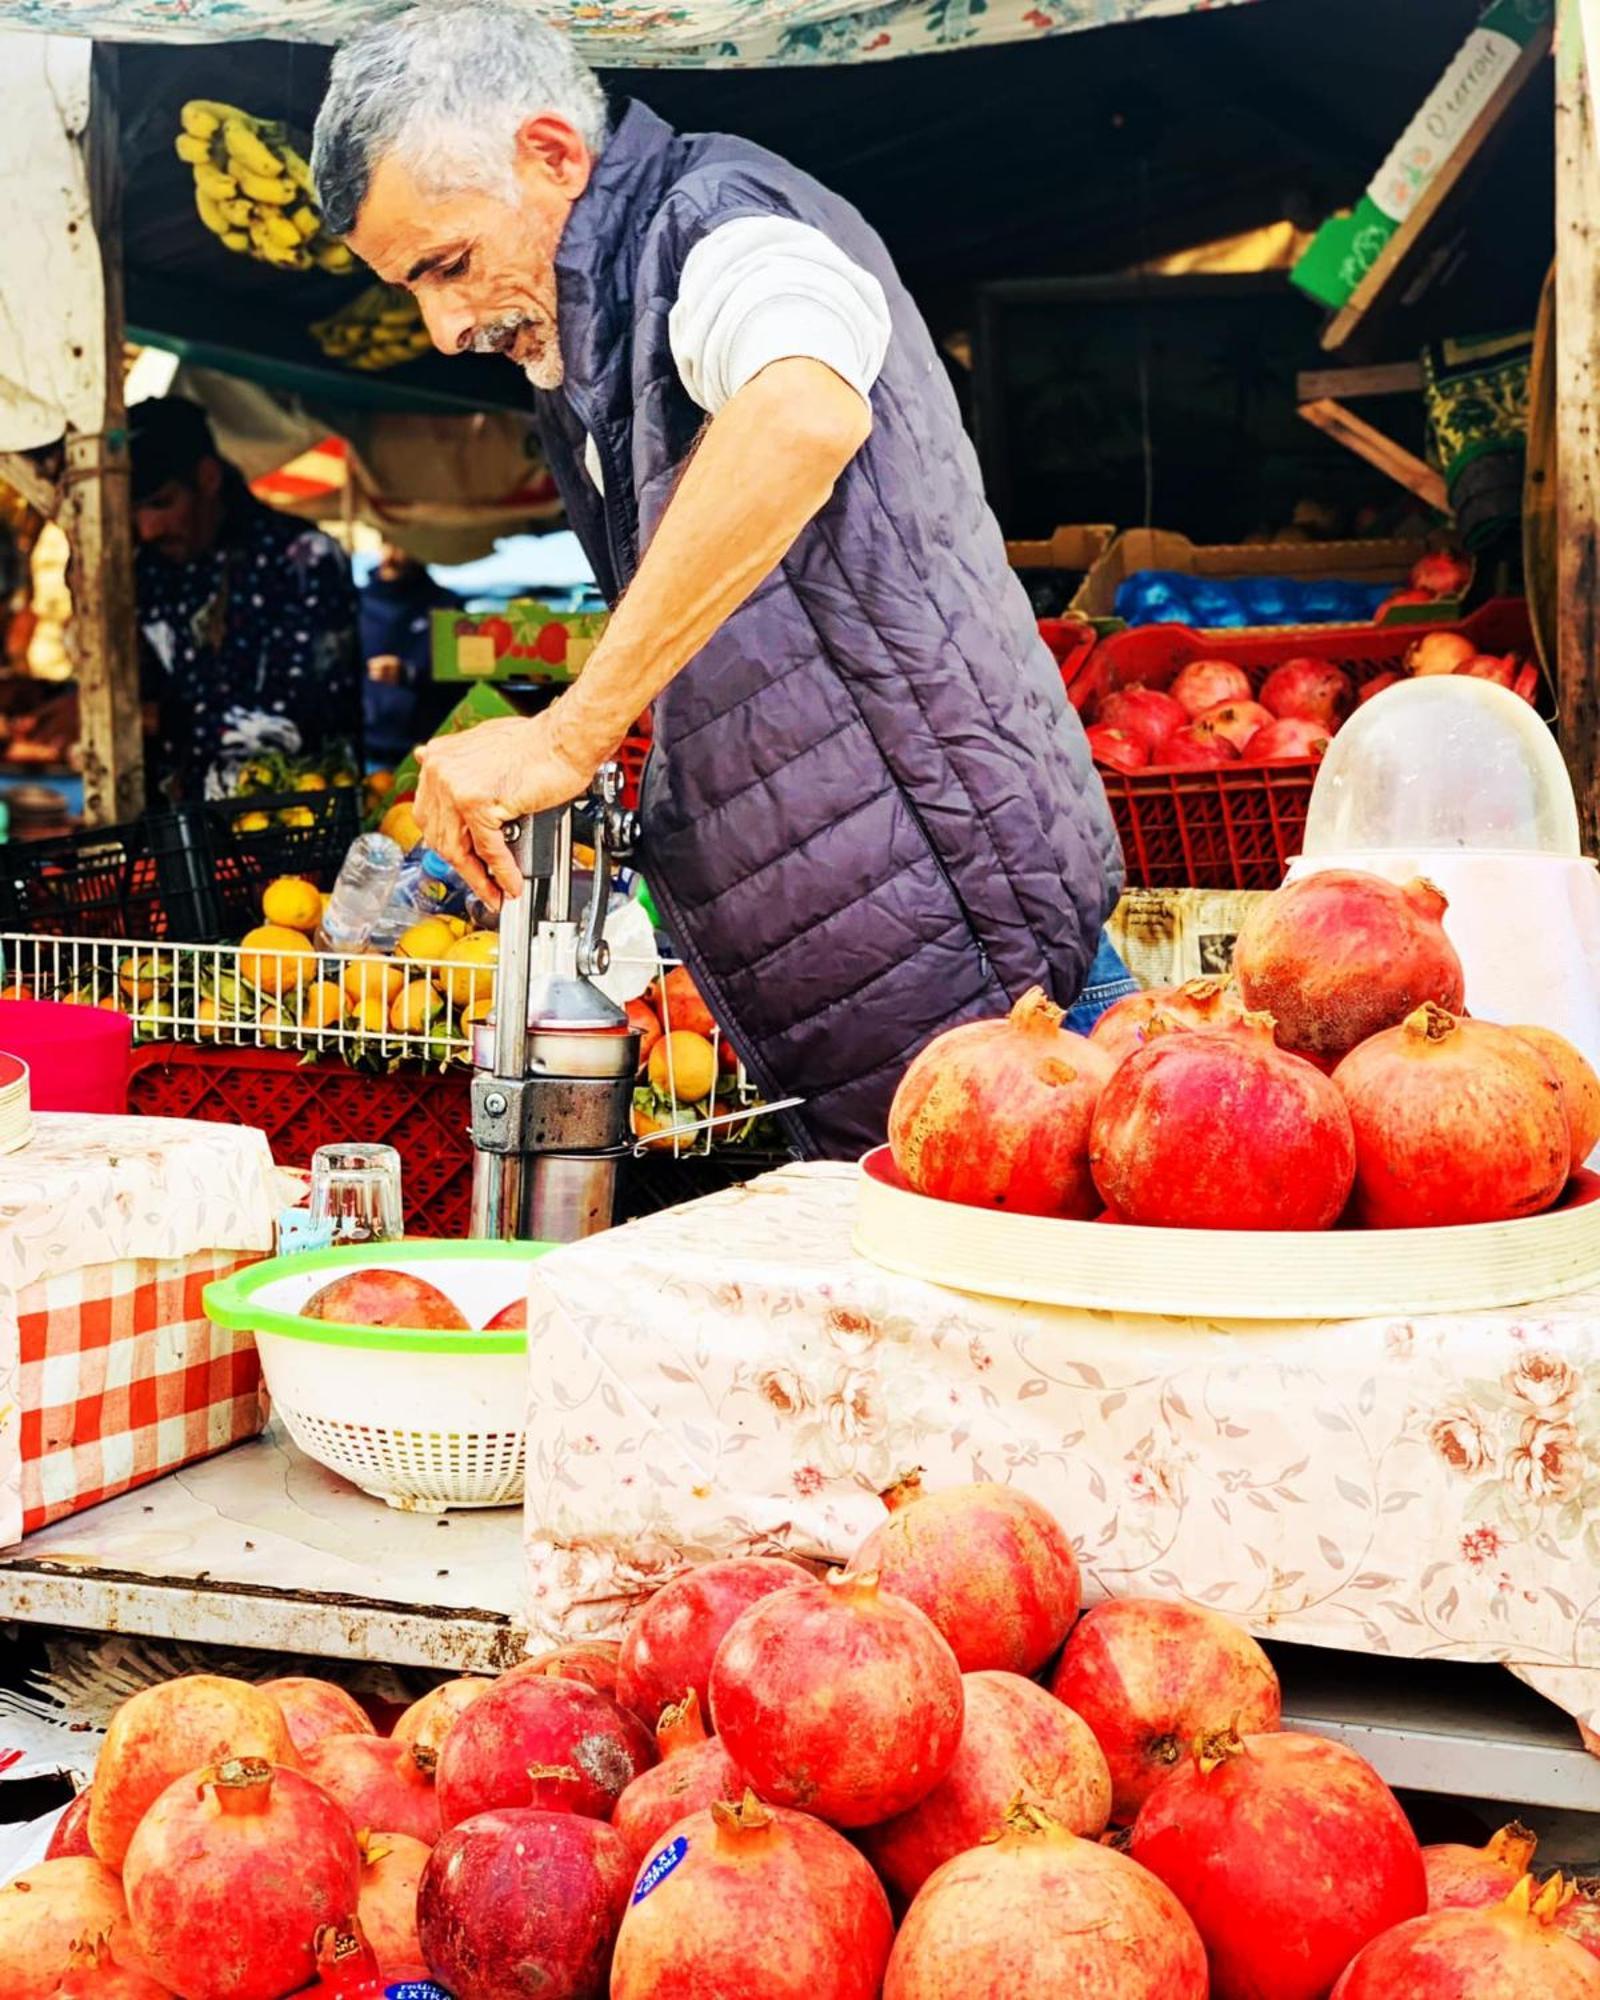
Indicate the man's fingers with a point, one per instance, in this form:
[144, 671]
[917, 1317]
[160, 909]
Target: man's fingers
[497, 857]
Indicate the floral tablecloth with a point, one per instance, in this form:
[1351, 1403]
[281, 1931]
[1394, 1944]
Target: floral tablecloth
[730, 1377]
[89, 1193]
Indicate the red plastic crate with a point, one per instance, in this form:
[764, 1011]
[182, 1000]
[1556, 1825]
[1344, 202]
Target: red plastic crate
[1238, 826]
[632, 757]
[301, 1106]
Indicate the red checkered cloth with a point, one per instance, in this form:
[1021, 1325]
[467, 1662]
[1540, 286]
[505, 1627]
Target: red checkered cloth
[124, 1378]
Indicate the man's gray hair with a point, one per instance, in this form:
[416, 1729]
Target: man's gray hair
[446, 87]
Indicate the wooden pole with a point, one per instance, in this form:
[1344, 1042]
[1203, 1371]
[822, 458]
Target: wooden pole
[96, 514]
[1578, 423]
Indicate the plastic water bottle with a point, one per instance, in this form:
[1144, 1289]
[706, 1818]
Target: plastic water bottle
[426, 886]
[364, 890]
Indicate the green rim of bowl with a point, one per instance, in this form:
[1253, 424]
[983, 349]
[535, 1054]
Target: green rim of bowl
[231, 1302]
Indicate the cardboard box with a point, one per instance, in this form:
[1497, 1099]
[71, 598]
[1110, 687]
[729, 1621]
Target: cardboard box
[1156, 548]
[1074, 548]
[527, 641]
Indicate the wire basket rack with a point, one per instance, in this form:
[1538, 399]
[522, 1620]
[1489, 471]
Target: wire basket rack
[370, 1012]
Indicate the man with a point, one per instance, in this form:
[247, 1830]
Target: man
[401, 705]
[870, 813]
[247, 617]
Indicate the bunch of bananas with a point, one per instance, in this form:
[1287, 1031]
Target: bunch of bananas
[253, 189]
[377, 330]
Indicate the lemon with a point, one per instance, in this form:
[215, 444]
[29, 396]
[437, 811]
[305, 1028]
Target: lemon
[311, 781]
[459, 927]
[416, 1007]
[292, 902]
[371, 1016]
[252, 823]
[297, 816]
[472, 989]
[275, 960]
[372, 979]
[343, 780]
[400, 823]
[683, 1066]
[140, 978]
[272, 1023]
[324, 1005]
[431, 939]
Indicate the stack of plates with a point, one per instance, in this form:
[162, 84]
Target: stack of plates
[16, 1109]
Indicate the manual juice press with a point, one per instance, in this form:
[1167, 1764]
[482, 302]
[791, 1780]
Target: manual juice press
[555, 1063]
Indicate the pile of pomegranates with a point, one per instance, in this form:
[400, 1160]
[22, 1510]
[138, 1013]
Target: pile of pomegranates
[1215, 712]
[908, 1795]
[1335, 1079]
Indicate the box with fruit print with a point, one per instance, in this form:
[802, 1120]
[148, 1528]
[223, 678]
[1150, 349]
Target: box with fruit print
[526, 641]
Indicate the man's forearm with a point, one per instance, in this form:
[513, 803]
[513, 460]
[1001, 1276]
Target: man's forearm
[765, 466]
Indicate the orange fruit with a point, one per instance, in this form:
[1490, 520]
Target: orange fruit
[292, 902]
[469, 988]
[371, 1016]
[683, 1067]
[400, 823]
[420, 1003]
[324, 1005]
[372, 977]
[275, 960]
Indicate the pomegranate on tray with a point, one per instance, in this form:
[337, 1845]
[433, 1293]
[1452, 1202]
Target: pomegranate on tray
[1334, 1079]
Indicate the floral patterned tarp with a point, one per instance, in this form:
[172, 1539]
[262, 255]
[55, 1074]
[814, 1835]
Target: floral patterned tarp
[710, 34]
[728, 1377]
[87, 1192]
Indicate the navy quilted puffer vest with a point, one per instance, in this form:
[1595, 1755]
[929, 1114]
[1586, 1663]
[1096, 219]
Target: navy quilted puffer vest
[870, 812]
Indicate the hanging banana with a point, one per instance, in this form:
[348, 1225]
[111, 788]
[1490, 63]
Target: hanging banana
[253, 189]
[378, 329]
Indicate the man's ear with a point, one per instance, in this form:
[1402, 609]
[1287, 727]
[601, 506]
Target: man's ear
[208, 476]
[557, 151]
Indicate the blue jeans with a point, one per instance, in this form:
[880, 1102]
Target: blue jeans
[1109, 980]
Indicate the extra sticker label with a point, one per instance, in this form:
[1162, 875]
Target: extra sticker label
[660, 1868]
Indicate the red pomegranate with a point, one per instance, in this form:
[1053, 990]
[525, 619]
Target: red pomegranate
[1236, 722]
[1187, 750]
[96, 1975]
[1144, 713]
[1290, 741]
[48, 1912]
[1377, 685]
[992, 1568]
[1455, 1121]
[1039, 1912]
[1245, 1829]
[668, 1648]
[1341, 954]
[1579, 1918]
[1398, 597]
[1441, 573]
[995, 1114]
[695, 1771]
[1204, 684]
[429, 1720]
[1149, 1678]
[314, 1709]
[380, 1783]
[392, 1867]
[71, 1834]
[1283, 1157]
[231, 1874]
[521, 1902]
[1468, 1878]
[1580, 1088]
[385, 1298]
[592, 1661]
[1310, 691]
[1438, 653]
[541, 1741]
[751, 1899]
[839, 1699]
[1117, 749]
[1017, 1743]
[166, 1731]
[1514, 1950]
[1500, 668]
[1200, 1004]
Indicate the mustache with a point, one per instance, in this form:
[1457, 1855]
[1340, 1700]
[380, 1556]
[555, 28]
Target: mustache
[495, 336]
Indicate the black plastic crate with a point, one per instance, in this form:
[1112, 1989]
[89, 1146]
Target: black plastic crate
[193, 875]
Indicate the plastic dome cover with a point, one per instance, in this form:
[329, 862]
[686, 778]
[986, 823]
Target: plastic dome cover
[1447, 762]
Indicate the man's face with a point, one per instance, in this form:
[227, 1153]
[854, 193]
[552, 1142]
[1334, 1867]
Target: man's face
[180, 520]
[482, 266]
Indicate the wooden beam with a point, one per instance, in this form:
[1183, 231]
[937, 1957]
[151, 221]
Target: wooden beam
[1398, 251]
[1578, 425]
[21, 474]
[96, 512]
[1368, 442]
[1384, 378]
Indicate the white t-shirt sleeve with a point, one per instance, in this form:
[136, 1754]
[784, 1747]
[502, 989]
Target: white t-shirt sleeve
[764, 289]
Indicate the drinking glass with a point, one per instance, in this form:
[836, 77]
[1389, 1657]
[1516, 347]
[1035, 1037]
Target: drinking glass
[355, 1193]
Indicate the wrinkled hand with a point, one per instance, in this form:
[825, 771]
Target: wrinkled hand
[473, 783]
